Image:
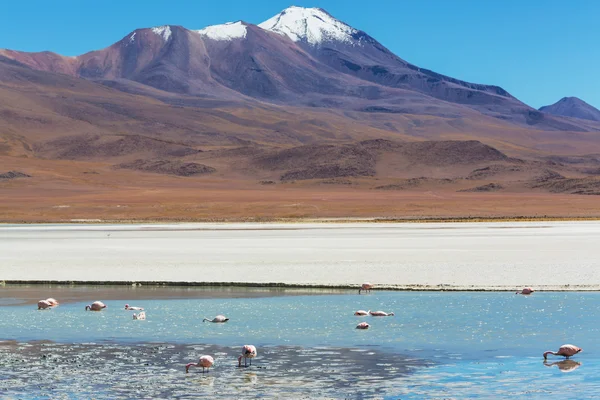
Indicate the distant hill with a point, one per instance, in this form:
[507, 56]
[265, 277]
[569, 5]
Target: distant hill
[573, 107]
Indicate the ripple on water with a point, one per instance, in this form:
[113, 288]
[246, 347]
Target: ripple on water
[118, 371]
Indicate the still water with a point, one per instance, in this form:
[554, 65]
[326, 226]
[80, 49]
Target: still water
[438, 345]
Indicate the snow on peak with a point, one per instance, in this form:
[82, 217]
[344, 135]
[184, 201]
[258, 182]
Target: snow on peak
[311, 25]
[163, 31]
[227, 31]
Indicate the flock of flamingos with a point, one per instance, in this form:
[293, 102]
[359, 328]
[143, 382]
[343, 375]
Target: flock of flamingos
[249, 351]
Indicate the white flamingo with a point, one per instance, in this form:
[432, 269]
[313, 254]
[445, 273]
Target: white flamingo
[217, 319]
[140, 316]
[128, 307]
[381, 314]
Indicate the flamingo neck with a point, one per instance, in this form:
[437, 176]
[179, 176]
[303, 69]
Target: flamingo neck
[206, 319]
[549, 352]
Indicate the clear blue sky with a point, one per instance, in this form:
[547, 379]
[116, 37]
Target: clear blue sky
[538, 50]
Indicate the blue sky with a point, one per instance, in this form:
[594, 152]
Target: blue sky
[538, 50]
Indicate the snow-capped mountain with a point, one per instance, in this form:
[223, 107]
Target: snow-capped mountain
[226, 31]
[311, 25]
[301, 56]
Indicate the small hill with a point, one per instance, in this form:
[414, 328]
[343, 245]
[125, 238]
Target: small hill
[573, 107]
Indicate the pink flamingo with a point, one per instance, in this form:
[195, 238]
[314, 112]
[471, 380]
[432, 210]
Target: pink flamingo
[566, 350]
[217, 319]
[140, 316]
[381, 314]
[52, 301]
[44, 304]
[363, 325]
[95, 306]
[362, 312]
[204, 362]
[128, 307]
[526, 291]
[248, 352]
[366, 287]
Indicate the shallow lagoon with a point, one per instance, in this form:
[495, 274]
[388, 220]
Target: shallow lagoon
[446, 345]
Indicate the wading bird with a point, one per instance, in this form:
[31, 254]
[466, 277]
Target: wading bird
[140, 316]
[44, 304]
[95, 306]
[526, 291]
[218, 318]
[128, 307]
[52, 301]
[363, 325]
[204, 362]
[248, 352]
[566, 350]
[381, 314]
[365, 287]
[361, 312]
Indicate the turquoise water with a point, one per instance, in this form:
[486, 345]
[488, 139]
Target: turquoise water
[438, 345]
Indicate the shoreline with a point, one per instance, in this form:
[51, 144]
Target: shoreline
[294, 286]
[332, 220]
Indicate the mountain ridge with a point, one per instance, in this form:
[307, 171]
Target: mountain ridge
[309, 59]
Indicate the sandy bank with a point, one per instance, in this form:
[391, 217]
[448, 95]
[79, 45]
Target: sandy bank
[477, 256]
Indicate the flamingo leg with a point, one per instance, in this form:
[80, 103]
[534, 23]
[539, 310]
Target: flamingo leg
[250, 362]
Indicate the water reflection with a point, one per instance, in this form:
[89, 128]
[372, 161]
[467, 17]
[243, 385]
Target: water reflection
[250, 378]
[564, 365]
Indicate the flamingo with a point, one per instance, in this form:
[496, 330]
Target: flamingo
[52, 301]
[566, 350]
[140, 316]
[218, 318]
[204, 362]
[366, 287]
[381, 314]
[362, 312]
[526, 291]
[248, 352]
[44, 304]
[128, 307]
[363, 325]
[95, 306]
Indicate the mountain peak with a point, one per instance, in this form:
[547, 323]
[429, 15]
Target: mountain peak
[311, 25]
[226, 31]
[162, 31]
[573, 107]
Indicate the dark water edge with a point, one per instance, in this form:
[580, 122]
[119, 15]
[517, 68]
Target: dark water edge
[45, 369]
[21, 294]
